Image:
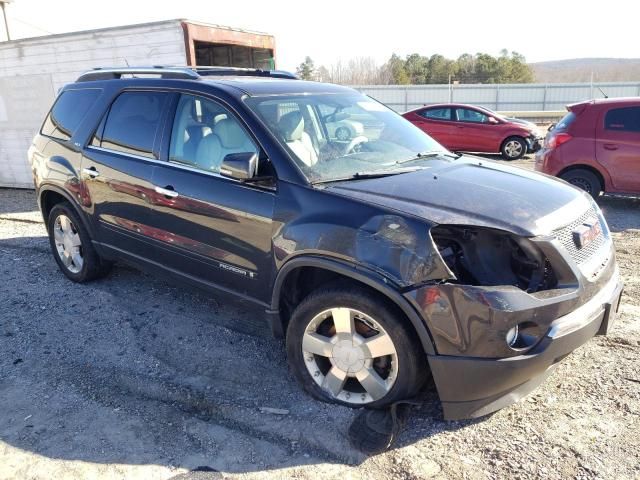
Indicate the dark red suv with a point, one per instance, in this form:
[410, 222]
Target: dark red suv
[596, 146]
[469, 128]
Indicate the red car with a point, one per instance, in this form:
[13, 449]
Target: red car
[596, 146]
[469, 128]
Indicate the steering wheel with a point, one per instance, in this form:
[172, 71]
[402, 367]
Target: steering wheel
[355, 143]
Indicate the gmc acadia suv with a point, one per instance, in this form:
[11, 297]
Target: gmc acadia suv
[380, 257]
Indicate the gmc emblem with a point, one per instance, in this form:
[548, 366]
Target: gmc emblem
[586, 233]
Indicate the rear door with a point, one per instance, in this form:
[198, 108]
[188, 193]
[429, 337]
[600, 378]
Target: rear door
[618, 146]
[208, 227]
[117, 167]
[437, 122]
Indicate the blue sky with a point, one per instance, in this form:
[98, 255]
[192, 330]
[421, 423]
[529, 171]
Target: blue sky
[327, 30]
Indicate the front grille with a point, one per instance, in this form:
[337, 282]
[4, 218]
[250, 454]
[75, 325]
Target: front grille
[586, 253]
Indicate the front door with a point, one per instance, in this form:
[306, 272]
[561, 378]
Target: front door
[618, 147]
[475, 133]
[214, 229]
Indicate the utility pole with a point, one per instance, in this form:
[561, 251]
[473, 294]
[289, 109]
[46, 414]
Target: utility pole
[4, 15]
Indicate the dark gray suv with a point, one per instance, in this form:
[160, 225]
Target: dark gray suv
[379, 255]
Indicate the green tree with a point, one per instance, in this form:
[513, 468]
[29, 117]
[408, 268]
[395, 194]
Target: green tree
[416, 67]
[440, 69]
[394, 71]
[306, 69]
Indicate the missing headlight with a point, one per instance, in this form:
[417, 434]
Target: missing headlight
[487, 257]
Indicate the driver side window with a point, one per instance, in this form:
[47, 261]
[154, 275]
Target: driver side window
[468, 115]
[204, 133]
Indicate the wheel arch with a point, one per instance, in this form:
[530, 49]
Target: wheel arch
[50, 195]
[590, 168]
[341, 270]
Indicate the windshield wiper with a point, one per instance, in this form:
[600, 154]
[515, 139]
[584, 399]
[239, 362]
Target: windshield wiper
[372, 174]
[422, 156]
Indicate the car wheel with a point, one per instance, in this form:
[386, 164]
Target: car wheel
[343, 134]
[72, 247]
[347, 346]
[513, 148]
[584, 179]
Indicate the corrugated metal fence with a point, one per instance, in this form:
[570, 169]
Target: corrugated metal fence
[505, 97]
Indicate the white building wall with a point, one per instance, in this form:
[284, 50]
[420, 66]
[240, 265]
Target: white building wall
[33, 70]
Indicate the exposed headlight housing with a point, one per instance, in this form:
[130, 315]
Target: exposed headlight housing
[488, 257]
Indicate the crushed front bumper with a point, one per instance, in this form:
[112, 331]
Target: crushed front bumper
[471, 387]
[534, 144]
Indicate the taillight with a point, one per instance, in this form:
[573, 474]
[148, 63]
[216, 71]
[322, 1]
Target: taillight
[556, 139]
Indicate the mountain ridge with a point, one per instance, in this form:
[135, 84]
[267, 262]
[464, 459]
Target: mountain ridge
[604, 69]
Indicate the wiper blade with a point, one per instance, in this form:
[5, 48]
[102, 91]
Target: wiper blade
[372, 174]
[421, 156]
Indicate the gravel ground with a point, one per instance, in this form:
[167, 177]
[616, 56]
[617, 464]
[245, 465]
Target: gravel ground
[132, 377]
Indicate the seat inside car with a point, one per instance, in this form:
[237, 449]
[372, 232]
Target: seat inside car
[291, 125]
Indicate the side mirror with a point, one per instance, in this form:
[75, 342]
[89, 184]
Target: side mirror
[240, 166]
[493, 121]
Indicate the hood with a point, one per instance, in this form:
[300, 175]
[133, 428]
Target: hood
[475, 192]
[524, 123]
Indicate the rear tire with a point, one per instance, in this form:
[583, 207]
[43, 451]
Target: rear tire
[513, 148]
[333, 364]
[72, 247]
[585, 180]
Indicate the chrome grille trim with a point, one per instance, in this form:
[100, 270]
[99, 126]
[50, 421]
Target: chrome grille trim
[584, 256]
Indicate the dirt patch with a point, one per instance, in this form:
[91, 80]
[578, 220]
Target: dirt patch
[132, 377]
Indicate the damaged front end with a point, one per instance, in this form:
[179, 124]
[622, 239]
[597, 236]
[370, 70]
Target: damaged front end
[494, 321]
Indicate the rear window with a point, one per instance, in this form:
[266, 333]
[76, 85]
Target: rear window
[132, 123]
[623, 119]
[68, 111]
[564, 124]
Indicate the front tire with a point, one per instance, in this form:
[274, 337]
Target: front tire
[584, 179]
[513, 148]
[72, 247]
[347, 346]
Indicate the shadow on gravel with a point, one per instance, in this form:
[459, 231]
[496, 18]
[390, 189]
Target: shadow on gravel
[133, 370]
[622, 213]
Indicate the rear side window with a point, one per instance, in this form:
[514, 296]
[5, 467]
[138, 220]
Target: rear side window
[68, 111]
[564, 124]
[623, 119]
[436, 113]
[132, 123]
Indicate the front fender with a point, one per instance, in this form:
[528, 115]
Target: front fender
[359, 274]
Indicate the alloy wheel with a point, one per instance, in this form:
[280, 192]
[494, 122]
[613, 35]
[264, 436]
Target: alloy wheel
[513, 148]
[68, 243]
[350, 356]
[343, 134]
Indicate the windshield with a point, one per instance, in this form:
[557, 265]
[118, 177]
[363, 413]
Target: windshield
[335, 137]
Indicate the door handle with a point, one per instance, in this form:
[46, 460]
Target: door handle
[168, 191]
[92, 172]
[610, 146]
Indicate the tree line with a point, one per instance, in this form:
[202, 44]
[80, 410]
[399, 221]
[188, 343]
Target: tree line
[416, 69]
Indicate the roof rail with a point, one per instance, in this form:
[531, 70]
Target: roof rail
[185, 73]
[111, 73]
[205, 70]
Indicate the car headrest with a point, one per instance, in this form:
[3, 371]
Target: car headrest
[209, 153]
[230, 133]
[291, 126]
